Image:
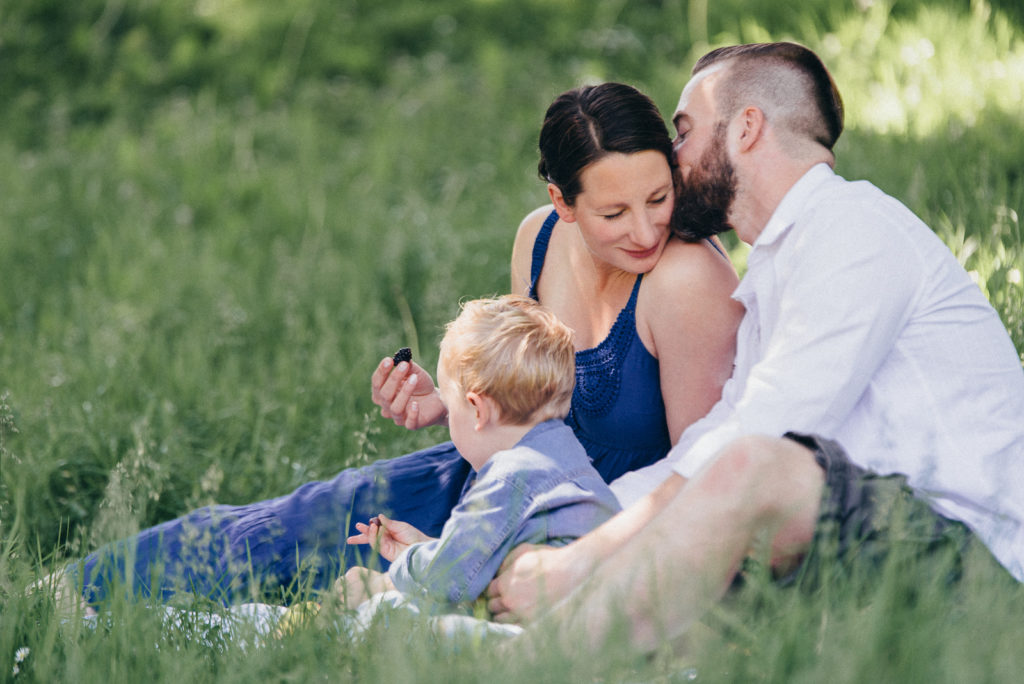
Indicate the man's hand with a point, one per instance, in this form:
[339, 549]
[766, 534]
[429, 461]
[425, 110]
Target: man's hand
[531, 579]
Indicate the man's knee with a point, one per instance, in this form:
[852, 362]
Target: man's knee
[776, 472]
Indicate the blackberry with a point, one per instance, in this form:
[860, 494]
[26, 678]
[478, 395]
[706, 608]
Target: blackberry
[403, 354]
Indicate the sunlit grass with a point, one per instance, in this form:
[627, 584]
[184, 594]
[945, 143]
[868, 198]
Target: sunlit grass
[936, 72]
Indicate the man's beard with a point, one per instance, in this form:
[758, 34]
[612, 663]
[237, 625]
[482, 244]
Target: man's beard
[703, 200]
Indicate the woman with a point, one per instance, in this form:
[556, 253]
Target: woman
[655, 329]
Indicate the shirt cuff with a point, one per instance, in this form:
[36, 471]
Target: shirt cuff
[399, 573]
[702, 451]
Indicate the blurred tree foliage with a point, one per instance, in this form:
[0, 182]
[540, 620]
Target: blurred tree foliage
[88, 58]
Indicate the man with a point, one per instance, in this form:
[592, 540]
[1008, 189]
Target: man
[861, 329]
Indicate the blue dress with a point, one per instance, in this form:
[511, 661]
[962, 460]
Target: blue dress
[297, 541]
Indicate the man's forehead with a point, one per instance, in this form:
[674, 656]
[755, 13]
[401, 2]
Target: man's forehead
[699, 85]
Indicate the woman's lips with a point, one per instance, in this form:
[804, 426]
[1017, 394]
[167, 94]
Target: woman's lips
[643, 253]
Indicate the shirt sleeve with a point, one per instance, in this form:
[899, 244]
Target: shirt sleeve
[480, 532]
[846, 289]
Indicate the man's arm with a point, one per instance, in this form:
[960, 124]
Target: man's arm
[762, 493]
[533, 578]
[847, 285]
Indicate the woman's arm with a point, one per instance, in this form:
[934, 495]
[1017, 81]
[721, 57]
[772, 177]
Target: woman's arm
[687, 319]
[522, 248]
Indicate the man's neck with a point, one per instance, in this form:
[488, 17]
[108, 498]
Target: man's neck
[767, 184]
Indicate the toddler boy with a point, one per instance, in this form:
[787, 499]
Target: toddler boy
[505, 374]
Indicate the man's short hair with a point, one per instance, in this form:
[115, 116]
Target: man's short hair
[516, 352]
[788, 82]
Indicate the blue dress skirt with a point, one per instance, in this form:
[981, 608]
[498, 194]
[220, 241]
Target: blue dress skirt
[297, 541]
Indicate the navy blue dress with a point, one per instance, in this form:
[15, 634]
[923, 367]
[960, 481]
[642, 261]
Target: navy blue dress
[235, 553]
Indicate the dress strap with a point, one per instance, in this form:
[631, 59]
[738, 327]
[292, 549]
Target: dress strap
[718, 249]
[540, 250]
[631, 304]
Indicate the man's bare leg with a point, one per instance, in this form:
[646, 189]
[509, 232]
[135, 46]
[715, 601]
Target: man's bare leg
[759, 493]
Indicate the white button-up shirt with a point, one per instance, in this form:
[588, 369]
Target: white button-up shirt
[862, 327]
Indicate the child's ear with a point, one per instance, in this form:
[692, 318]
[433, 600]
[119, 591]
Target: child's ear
[484, 407]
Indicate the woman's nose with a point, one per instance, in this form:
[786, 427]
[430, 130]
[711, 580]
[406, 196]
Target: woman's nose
[647, 231]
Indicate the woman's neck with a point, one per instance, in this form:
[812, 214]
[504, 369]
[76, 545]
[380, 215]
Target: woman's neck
[596, 276]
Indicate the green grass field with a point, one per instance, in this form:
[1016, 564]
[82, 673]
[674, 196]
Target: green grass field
[217, 216]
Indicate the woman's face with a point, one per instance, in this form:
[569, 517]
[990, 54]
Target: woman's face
[624, 209]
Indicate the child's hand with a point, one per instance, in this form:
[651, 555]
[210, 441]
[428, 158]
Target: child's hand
[389, 537]
[359, 584]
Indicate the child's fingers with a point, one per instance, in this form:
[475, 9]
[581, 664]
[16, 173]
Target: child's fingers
[387, 524]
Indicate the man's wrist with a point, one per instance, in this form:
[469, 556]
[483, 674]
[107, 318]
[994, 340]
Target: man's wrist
[578, 561]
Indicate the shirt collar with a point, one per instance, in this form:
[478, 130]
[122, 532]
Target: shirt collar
[793, 203]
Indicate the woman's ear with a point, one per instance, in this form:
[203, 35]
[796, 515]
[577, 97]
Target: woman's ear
[565, 212]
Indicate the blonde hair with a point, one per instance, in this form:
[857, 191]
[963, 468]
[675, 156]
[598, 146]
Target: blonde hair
[516, 352]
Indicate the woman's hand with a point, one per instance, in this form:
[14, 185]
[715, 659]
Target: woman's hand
[388, 537]
[406, 394]
[359, 584]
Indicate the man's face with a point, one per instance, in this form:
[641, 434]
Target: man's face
[706, 196]
[707, 177]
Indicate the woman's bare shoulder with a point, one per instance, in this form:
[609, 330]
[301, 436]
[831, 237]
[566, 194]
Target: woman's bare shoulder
[695, 267]
[522, 248]
[687, 319]
[531, 224]
[691, 285]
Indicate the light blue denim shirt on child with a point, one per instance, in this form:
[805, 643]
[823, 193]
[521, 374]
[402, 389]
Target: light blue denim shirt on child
[544, 490]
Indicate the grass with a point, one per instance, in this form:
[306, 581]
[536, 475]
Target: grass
[201, 269]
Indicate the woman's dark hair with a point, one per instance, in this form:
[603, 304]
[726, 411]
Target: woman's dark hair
[583, 125]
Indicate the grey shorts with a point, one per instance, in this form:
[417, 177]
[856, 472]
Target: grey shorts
[866, 519]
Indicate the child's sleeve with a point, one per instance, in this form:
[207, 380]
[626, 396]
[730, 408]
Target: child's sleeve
[458, 566]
